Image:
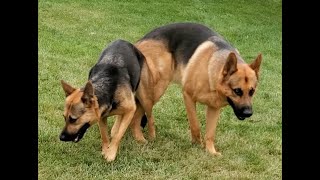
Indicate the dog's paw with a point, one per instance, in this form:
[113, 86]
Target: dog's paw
[141, 140]
[109, 154]
[213, 152]
[104, 150]
[152, 137]
[217, 154]
[109, 157]
[138, 136]
[197, 141]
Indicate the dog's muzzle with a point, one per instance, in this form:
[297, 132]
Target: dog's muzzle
[241, 112]
[65, 136]
[244, 112]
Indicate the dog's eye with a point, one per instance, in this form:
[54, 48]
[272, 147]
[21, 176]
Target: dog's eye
[72, 120]
[251, 92]
[238, 91]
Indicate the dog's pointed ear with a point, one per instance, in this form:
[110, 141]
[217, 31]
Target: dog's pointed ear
[88, 93]
[68, 89]
[255, 65]
[231, 65]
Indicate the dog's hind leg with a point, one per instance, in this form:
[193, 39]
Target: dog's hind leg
[143, 106]
[212, 117]
[148, 105]
[192, 118]
[135, 124]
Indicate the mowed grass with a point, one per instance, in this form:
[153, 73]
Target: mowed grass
[72, 35]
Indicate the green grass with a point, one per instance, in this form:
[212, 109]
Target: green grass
[72, 35]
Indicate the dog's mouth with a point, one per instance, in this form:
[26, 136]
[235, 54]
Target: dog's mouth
[74, 137]
[240, 118]
[81, 132]
[242, 113]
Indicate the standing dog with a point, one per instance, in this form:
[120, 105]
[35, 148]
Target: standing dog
[210, 70]
[109, 91]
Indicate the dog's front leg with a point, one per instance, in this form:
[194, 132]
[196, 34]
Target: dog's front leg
[115, 126]
[212, 117]
[111, 152]
[192, 118]
[104, 135]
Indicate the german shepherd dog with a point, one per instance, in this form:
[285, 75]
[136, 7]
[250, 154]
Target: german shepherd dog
[209, 69]
[109, 91]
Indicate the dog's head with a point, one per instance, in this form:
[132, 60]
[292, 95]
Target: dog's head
[80, 112]
[239, 82]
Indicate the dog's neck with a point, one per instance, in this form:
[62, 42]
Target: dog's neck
[97, 108]
[104, 89]
[215, 67]
[101, 111]
[103, 100]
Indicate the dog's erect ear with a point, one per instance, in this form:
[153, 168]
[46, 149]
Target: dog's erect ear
[67, 88]
[231, 65]
[255, 65]
[88, 93]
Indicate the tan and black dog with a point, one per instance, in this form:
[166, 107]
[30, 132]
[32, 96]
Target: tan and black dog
[210, 70]
[109, 91]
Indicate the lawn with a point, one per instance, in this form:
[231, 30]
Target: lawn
[71, 36]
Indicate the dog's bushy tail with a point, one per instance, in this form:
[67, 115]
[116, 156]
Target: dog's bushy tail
[144, 121]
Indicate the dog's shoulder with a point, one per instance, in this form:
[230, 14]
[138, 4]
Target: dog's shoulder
[119, 64]
[130, 61]
[221, 43]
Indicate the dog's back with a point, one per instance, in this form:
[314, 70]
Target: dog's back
[182, 39]
[120, 58]
[119, 63]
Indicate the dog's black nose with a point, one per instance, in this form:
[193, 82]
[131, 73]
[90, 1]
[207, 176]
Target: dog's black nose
[247, 111]
[63, 136]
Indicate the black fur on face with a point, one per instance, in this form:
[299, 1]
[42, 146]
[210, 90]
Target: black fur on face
[65, 136]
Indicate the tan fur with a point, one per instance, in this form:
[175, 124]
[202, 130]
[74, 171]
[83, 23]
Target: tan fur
[72, 104]
[155, 78]
[207, 79]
